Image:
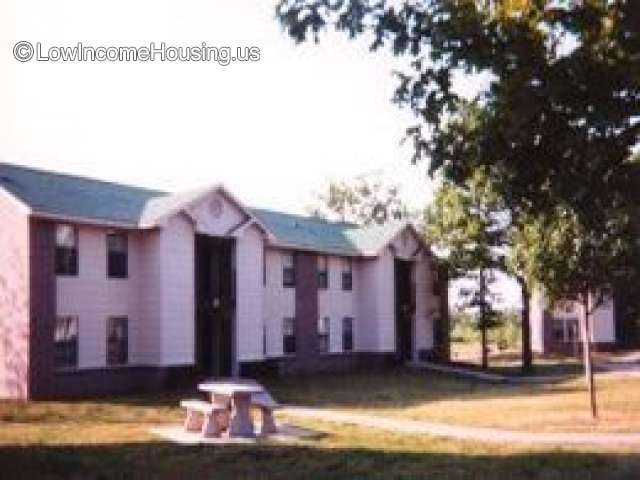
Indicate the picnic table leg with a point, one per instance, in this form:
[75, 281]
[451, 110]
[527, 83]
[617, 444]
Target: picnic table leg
[210, 427]
[241, 423]
[268, 423]
[192, 423]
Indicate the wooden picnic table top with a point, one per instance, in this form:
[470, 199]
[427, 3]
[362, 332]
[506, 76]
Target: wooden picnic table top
[231, 386]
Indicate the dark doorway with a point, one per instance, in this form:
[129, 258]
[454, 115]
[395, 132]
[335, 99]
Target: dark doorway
[627, 318]
[215, 305]
[405, 306]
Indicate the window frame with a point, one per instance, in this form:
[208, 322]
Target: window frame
[288, 270]
[66, 257]
[324, 334]
[120, 357]
[289, 336]
[347, 275]
[70, 344]
[323, 272]
[118, 271]
[348, 334]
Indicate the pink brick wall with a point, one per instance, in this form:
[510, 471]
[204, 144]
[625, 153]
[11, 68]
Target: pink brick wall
[14, 299]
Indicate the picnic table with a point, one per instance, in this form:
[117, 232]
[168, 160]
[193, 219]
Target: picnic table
[239, 393]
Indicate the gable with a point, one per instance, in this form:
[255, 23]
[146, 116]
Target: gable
[216, 214]
[406, 244]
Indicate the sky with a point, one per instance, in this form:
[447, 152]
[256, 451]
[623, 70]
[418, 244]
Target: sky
[273, 131]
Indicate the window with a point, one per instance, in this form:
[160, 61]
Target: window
[324, 331]
[347, 334]
[323, 272]
[117, 253]
[288, 336]
[66, 250]
[572, 330]
[347, 274]
[117, 341]
[264, 266]
[288, 269]
[65, 339]
[264, 340]
[436, 279]
[565, 330]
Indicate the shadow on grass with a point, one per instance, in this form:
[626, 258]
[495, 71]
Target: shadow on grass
[398, 388]
[381, 388]
[387, 388]
[163, 461]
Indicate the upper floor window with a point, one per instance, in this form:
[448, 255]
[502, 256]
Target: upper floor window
[65, 342]
[347, 334]
[117, 255]
[347, 274]
[117, 341]
[323, 272]
[324, 334]
[66, 250]
[288, 336]
[288, 269]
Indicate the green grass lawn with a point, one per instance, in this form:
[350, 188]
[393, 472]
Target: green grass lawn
[420, 395]
[109, 438]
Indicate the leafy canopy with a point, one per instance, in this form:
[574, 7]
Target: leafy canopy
[363, 201]
[561, 110]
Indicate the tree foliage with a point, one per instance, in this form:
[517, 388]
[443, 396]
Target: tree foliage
[361, 202]
[468, 224]
[561, 109]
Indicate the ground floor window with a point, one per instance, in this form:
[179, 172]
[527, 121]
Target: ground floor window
[324, 331]
[65, 339]
[117, 341]
[288, 336]
[565, 330]
[347, 334]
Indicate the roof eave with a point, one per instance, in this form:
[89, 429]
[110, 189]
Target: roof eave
[98, 222]
[18, 202]
[275, 243]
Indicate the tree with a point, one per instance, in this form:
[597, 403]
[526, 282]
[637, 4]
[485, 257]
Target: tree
[560, 115]
[362, 202]
[482, 299]
[467, 225]
[476, 229]
[562, 97]
[570, 262]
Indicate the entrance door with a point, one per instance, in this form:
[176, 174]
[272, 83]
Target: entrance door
[404, 300]
[215, 305]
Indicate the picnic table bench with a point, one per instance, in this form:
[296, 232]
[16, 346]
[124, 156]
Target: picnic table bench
[267, 405]
[207, 417]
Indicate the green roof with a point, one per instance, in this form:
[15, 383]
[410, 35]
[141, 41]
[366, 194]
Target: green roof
[61, 195]
[318, 234]
[78, 197]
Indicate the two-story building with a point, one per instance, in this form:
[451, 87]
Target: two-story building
[109, 288]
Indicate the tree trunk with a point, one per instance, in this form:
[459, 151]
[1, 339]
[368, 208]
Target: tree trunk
[527, 357]
[483, 320]
[588, 362]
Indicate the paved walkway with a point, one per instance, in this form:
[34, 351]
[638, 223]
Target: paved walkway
[602, 369]
[481, 434]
